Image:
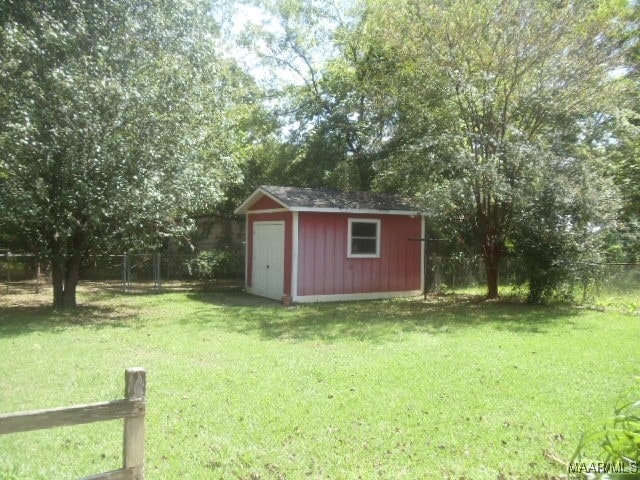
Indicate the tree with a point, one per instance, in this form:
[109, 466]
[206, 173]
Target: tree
[490, 82]
[114, 125]
[624, 150]
[558, 237]
[332, 123]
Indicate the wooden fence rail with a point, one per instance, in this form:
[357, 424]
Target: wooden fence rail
[132, 409]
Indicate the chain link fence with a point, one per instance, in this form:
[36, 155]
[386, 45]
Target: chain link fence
[456, 273]
[459, 272]
[128, 272]
[147, 272]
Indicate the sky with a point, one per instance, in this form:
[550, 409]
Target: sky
[243, 17]
[316, 38]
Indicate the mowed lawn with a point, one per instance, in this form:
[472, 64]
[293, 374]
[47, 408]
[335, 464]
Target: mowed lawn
[243, 388]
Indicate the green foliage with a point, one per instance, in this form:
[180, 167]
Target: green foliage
[15, 269]
[118, 122]
[332, 122]
[618, 289]
[558, 238]
[495, 93]
[213, 264]
[624, 153]
[474, 109]
[617, 440]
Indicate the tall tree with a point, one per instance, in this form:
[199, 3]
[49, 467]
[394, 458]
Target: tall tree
[624, 150]
[491, 81]
[324, 101]
[568, 207]
[113, 125]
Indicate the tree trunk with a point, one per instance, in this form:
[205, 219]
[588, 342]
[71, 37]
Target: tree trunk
[490, 220]
[65, 274]
[536, 289]
[492, 280]
[57, 278]
[492, 253]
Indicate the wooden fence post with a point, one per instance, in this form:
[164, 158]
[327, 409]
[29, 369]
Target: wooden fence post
[134, 429]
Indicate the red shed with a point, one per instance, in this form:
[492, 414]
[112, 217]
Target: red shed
[306, 245]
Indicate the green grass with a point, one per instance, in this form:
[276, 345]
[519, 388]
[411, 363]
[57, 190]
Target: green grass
[615, 296]
[242, 388]
[625, 298]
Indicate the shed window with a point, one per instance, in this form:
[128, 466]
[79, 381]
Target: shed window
[364, 238]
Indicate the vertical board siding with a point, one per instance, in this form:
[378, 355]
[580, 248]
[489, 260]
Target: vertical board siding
[325, 269]
[341, 272]
[321, 252]
[287, 217]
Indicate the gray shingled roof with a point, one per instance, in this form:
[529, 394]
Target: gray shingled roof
[308, 198]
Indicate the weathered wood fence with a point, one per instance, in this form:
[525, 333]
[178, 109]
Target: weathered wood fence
[132, 409]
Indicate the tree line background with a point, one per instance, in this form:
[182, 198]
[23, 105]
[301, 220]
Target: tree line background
[513, 125]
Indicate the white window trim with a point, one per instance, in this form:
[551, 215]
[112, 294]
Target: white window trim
[378, 235]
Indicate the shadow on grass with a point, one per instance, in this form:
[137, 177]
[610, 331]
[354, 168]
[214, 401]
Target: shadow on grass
[23, 320]
[378, 320]
[233, 311]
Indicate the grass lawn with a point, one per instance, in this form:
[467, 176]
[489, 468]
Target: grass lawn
[243, 388]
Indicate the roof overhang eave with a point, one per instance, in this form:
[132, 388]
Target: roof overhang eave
[253, 198]
[357, 211]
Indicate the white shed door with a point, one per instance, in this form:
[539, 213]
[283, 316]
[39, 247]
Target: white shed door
[268, 259]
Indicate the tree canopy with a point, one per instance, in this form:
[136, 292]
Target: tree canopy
[476, 109]
[507, 87]
[513, 124]
[116, 124]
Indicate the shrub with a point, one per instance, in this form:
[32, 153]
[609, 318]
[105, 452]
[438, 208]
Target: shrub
[212, 264]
